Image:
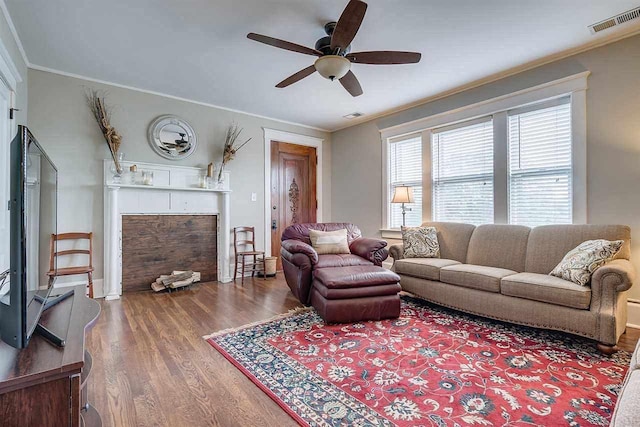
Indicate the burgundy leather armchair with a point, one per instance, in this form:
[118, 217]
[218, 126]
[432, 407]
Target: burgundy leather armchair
[300, 260]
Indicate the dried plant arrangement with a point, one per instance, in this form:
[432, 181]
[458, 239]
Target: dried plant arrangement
[96, 102]
[230, 146]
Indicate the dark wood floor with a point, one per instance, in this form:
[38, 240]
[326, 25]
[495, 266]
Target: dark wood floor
[151, 366]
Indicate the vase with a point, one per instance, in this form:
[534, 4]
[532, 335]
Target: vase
[147, 177]
[116, 167]
[220, 180]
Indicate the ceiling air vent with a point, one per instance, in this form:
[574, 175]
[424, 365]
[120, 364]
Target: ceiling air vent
[615, 20]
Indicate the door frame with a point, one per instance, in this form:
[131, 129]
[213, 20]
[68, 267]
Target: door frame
[10, 78]
[291, 138]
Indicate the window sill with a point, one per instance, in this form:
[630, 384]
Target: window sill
[391, 233]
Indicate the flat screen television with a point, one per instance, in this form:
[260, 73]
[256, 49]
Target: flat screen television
[33, 219]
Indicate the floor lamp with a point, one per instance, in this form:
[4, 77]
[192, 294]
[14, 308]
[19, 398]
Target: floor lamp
[403, 194]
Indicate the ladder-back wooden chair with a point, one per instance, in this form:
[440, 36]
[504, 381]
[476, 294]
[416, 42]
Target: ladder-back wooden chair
[71, 271]
[241, 241]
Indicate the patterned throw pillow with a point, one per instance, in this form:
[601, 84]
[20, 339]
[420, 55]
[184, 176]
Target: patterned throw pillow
[330, 242]
[420, 242]
[580, 263]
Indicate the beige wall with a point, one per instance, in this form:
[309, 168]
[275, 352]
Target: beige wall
[613, 140]
[62, 123]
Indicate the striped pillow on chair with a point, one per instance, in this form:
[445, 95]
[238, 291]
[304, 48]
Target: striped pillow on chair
[329, 242]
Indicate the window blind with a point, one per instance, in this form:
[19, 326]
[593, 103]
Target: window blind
[405, 168]
[462, 159]
[540, 165]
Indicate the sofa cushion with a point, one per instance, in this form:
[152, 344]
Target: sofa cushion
[627, 411]
[420, 242]
[355, 277]
[498, 245]
[453, 239]
[340, 260]
[545, 288]
[581, 262]
[548, 244]
[474, 276]
[425, 268]
[360, 292]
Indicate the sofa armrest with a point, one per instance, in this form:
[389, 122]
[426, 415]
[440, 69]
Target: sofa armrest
[609, 284]
[396, 252]
[370, 249]
[617, 275]
[297, 247]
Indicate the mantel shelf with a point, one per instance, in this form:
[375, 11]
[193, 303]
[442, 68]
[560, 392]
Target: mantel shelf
[165, 188]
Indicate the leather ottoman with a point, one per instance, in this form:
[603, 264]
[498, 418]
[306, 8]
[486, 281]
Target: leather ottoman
[357, 293]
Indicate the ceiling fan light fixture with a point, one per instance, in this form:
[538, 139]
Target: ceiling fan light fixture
[332, 67]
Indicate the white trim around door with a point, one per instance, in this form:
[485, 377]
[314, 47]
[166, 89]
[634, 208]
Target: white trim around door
[292, 138]
[8, 71]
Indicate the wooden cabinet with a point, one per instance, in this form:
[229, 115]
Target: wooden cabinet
[43, 385]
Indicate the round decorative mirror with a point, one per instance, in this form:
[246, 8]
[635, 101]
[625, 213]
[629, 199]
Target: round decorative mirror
[172, 138]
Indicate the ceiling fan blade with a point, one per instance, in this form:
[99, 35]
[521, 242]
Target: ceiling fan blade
[348, 24]
[297, 77]
[384, 57]
[282, 44]
[351, 84]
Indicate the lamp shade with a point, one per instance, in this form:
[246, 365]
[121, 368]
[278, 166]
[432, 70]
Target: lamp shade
[332, 66]
[403, 194]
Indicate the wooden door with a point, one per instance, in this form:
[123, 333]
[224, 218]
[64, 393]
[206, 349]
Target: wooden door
[293, 189]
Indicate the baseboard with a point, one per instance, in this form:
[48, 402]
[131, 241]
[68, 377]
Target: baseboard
[98, 286]
[633, 314]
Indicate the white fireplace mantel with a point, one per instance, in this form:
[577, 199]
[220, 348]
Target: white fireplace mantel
[176, 190]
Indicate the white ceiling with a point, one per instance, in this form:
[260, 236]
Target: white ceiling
[197, 49]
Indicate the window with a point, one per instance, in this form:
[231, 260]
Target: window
[405, 168]
[462, 165]
[540, 164]
[520, 158]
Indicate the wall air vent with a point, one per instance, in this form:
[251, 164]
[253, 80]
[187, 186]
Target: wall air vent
[353, 115]
[615, 20]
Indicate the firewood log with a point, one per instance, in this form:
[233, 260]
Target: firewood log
[176, 277]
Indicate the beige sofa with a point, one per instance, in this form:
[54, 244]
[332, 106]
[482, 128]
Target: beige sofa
[627, 412]
[501, 272]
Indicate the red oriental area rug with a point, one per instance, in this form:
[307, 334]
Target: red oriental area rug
[430, 367]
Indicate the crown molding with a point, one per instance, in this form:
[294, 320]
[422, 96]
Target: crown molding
[165, 95]
[14, 32]
[631, 30]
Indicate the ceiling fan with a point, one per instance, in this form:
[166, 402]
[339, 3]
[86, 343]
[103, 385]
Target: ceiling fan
[334, 51]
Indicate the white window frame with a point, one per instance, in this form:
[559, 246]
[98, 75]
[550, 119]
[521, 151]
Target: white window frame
[574, 86]
[425, 135]
[388, 180]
